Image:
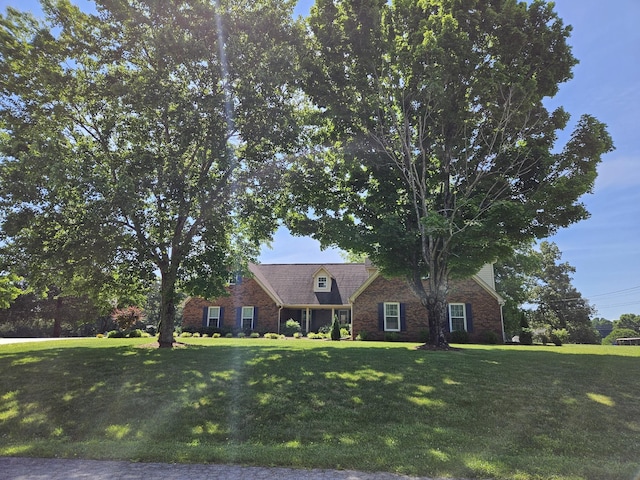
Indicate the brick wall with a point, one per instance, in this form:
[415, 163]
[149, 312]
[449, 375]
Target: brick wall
[486, 310]
[248, 294]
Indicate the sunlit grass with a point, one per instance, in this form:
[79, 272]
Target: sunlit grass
[506, 412]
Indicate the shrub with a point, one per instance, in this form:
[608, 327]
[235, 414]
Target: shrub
[137, 333]
[559, 336]
[315, 336]
[526, 336]
[229, 335]
[254, 335]
[344, 332]
[100, 335]
[489, 337]
[241, 335]
[297, 335]
[392, 337]
[291, 327]
[126, 318]
[423, 336]
[115, 334]
[271, 336]
[619, 333]
[363, 336]
[196, 334]
[186, 334]
[216, 335]
[335, 330]
[459, 336]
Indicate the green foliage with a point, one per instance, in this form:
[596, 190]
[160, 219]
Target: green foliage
[126, 318]
[628, 320]
[459, 336]
[10, 289]
[271, 336]
[429, 149]
[559, 336]
[489, 337]
[391, 337]
[526, 336]
[145, 139]
[363, 335]
[291, 327]
[254, 335]
[619, 333]
[116, 334]
[335, 330]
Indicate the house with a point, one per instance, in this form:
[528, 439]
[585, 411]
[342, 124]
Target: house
[356, 294]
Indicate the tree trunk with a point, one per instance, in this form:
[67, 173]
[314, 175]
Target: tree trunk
[57, 318]
[167, 309]
[435, 302]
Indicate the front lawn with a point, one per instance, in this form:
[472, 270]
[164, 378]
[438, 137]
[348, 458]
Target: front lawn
[570, 412]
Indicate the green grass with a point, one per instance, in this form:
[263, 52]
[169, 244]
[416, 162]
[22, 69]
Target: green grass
[570, 412]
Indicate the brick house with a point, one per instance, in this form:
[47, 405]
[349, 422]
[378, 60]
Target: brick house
[357, 294]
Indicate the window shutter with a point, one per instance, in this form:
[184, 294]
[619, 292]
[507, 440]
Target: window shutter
[221, 317]
[255, 318]
[238, 279]
[381, 316]
[239, 317]
[403, 318]
[205, 316]
[469, 317]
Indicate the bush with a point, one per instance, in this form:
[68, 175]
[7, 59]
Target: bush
[526, 336]
[229, 335]
[344, 332]
[559, 336]
[489, 337]
[423, 336]
[216, 335]
[619, 333]
[297, 335]
[459, 336]
[363, 336]
[137, 333]
[186, 334]
[315, 336]
[196, 335]
[335, 330]
[271, 336]
[241, 335]
[392, 337]
[126, 318]
[291, 327]
[254, 335]
[115, 334]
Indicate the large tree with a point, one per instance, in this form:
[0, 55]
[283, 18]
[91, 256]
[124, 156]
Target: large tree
[146, 136]
[435, 152]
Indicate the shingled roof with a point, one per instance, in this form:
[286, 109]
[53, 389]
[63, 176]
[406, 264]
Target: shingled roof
[293, 284]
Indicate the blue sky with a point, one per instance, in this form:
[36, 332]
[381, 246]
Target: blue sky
[605, 249]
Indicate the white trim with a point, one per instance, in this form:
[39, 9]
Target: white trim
[397, 316]
[464, 316]
[243, 318]
[212, 317]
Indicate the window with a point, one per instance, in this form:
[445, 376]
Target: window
[457, 317]
[247, 318]
[213, 317]
[322, 283]
[392, 317]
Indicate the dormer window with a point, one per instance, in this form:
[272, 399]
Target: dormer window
[322, 281]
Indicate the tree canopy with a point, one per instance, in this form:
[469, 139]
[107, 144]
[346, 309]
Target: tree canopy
[433, 150]
[146, 137]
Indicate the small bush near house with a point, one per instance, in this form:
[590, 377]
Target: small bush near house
[137, 333]
[459, 336]
[241, 335]
[335, 330]
[186, 334]
[271, 336]
[489, 337]
[229, 335]
[315, 336]
[526, 336]
[392, 337]
[344, 332]
[196, 334]
[116, 334]
[297, 335]
[216, 335]
[291, 327]
[362, 336]
[423, 336]
[254, 335]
